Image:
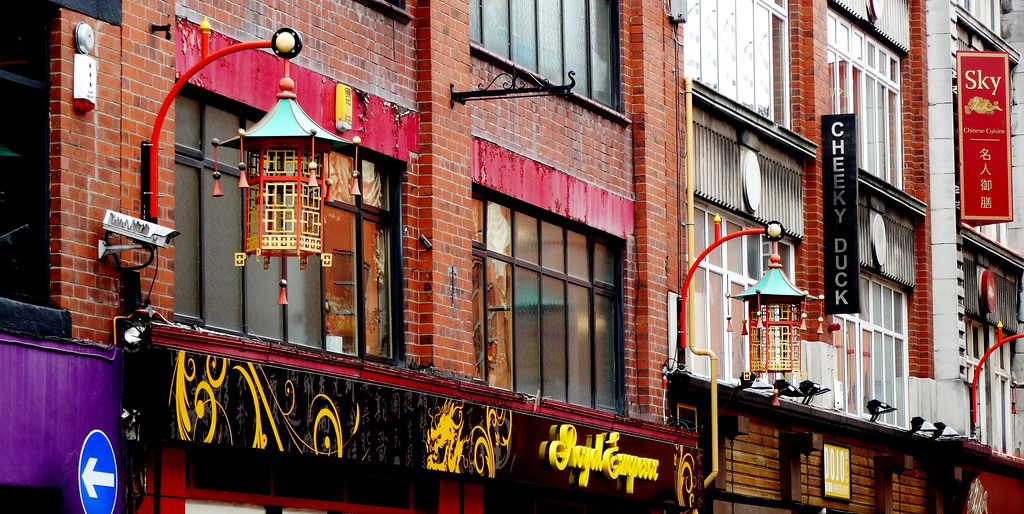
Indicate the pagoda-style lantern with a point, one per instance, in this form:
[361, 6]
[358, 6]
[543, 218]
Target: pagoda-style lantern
[282, 158]
[775, 319]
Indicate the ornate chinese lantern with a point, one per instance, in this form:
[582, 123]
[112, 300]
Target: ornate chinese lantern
[282, 158]
[775, 319]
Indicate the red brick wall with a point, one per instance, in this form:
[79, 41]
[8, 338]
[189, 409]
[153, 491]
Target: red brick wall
[914, 94]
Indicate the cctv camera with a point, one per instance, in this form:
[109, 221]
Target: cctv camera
[140, 231]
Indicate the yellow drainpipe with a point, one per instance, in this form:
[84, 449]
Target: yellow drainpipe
[692, 256]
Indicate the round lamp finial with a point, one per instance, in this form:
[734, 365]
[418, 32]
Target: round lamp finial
[286, 43]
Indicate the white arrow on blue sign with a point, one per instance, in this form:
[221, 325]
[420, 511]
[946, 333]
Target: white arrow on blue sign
[97, 474]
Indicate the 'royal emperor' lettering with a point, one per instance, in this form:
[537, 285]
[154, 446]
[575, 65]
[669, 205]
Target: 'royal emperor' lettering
[600, 454]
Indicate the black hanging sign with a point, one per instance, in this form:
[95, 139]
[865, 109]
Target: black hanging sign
[839, 199]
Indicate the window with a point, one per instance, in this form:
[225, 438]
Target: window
[730, 269]
[357, 229]
[24, 143]
[865, 81]
[988, 12]
[738, 48]
[546, 307]
[872, 352]
[993, 393]
[357, 316]
[554, 37]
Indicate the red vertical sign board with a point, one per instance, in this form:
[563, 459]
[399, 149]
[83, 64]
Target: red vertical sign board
[983, 88]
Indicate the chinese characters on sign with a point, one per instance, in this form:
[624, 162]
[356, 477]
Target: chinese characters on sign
[986, 194]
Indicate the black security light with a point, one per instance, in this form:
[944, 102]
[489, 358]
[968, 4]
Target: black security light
[750, 380]
[811, 389]
[919, 424]
[877, 407]
[786, 389]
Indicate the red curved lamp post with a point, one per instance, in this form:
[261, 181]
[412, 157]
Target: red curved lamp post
[150, 168]
[977, 373]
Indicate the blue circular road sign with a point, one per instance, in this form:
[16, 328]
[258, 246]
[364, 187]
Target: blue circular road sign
[97, 474]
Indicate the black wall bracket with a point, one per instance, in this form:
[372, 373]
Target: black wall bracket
[513, 85]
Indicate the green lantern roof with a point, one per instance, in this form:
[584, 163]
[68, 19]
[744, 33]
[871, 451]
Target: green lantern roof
[774, 284]
[286, 119]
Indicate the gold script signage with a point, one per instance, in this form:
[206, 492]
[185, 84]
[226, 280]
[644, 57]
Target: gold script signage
[600, 454]
[836, 471]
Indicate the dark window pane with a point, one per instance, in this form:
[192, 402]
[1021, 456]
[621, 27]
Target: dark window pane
[263, 314]
[499, 323]
[222, 237]
[604, 264]
[578, 335]
[222, 125]
[550, 41]
[579, 258]
[478, 221]
[342, 319]
[576, 46]
[553, 338]
[605, 357]
[186, 245]
[601, 31]
[499, 229]
[304, 305]
[496, 26]
[553, 249]
[526, 238]
[527, 331]
[377, 290]
[524, 33]
[474, 20]
[187, 124]
[479, 306]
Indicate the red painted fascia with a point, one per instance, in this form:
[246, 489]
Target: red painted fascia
[540, 185]
[251, 78]
[326, 363]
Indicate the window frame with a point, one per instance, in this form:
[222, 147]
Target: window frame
[861, 330]
[595, 288]
[706, 64]
[720, 264]
[26, 195]
[202, 163]
[868, 63]
[506, 45]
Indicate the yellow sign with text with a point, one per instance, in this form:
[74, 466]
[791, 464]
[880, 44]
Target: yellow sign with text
[836, 470]
[600, 454]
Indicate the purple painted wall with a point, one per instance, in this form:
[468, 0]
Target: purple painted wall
[53, 395]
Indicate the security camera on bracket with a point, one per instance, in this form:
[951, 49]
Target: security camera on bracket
[145, 235]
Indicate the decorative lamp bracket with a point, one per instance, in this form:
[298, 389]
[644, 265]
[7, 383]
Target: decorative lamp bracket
[513, 85]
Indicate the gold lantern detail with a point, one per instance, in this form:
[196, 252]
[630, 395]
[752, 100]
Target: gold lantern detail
[281, 171]
[775, 308]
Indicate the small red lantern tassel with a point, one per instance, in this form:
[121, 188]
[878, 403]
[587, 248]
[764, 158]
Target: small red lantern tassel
[775, 399]
[821, 326]
[282, 299]
[355, 184]
[312, 174]
[328, 194]
[242, 173]
[744, 325]
[803, 321]
[728, 324]
[217, 191]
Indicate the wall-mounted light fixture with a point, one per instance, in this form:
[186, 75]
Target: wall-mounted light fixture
[810, 389]
[877, 408]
